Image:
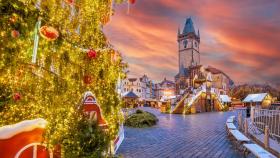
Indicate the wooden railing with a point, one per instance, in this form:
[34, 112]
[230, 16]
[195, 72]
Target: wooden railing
[265, 117]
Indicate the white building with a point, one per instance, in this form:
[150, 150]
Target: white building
[143, 87]
[165, 89]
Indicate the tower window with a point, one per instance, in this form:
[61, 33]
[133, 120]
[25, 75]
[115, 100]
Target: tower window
[185, 43]
[195, 43]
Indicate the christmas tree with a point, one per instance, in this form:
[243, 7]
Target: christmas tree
[52, 52]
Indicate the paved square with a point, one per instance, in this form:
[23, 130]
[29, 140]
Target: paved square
[183, 136]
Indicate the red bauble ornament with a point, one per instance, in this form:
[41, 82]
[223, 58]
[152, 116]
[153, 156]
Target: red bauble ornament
[17, 96]
[91, 54]
[49, 33]
[131, 1]
[87, 79]
[15, 34]
[70, 2]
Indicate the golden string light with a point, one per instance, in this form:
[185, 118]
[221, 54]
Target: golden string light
[52, 88]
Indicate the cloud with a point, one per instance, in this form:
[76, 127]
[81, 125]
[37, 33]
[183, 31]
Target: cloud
[239, 37]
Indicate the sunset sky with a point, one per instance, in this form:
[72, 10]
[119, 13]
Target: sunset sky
[242, 38]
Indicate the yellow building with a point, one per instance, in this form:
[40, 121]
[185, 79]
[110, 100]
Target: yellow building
[220, 80]
[260, 100]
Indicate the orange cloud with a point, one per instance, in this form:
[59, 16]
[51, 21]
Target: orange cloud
[241, 38]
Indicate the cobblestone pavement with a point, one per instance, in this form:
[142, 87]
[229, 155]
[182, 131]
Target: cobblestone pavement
[183, 136]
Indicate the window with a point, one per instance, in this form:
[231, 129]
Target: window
[185, 43]
[195, 44]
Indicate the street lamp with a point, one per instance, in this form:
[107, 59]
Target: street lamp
[208, 94]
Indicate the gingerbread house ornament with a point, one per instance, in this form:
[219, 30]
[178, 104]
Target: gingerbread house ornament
[24, 140]
[93, 110]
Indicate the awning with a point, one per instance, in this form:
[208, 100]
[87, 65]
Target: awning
[225, 98]
[130, 95]
[259, 97]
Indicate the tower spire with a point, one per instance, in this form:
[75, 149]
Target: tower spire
[188, 28]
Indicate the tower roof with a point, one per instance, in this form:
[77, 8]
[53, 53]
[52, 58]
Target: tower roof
[182, 72]
[188, 28]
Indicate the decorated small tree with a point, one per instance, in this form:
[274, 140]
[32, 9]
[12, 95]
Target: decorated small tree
[52, 52]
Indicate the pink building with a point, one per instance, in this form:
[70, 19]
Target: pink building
[165, 89]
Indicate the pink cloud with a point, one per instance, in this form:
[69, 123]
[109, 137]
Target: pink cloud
[240, 38]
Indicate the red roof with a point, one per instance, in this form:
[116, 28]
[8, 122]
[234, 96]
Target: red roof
[213, 70]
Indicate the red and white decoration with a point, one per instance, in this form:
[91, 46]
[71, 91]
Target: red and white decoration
[23, 140]
[93, 110]
[119, 139]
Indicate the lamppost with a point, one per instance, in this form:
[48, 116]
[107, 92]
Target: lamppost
[248, 108]
[208, 94]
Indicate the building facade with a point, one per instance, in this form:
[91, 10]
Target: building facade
[165, 89]
[143, 87]
[220, 80]
[131, 84]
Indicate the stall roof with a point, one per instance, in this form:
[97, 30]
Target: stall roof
[276, 104]
[130, 95]
[225, 98]
[259, 97]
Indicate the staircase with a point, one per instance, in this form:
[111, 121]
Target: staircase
[192, 99]
[188, 100]
[221, 106]
[179, 108]
[218, 98]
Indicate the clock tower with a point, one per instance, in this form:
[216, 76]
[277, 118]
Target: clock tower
[188, 44]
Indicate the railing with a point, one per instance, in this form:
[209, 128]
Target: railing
[265, 117]
[127, 111]
[243, 112]
[190, 100]
[180, 103]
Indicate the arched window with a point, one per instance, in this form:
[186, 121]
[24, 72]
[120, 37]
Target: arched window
[36, 148]
[185, 43]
